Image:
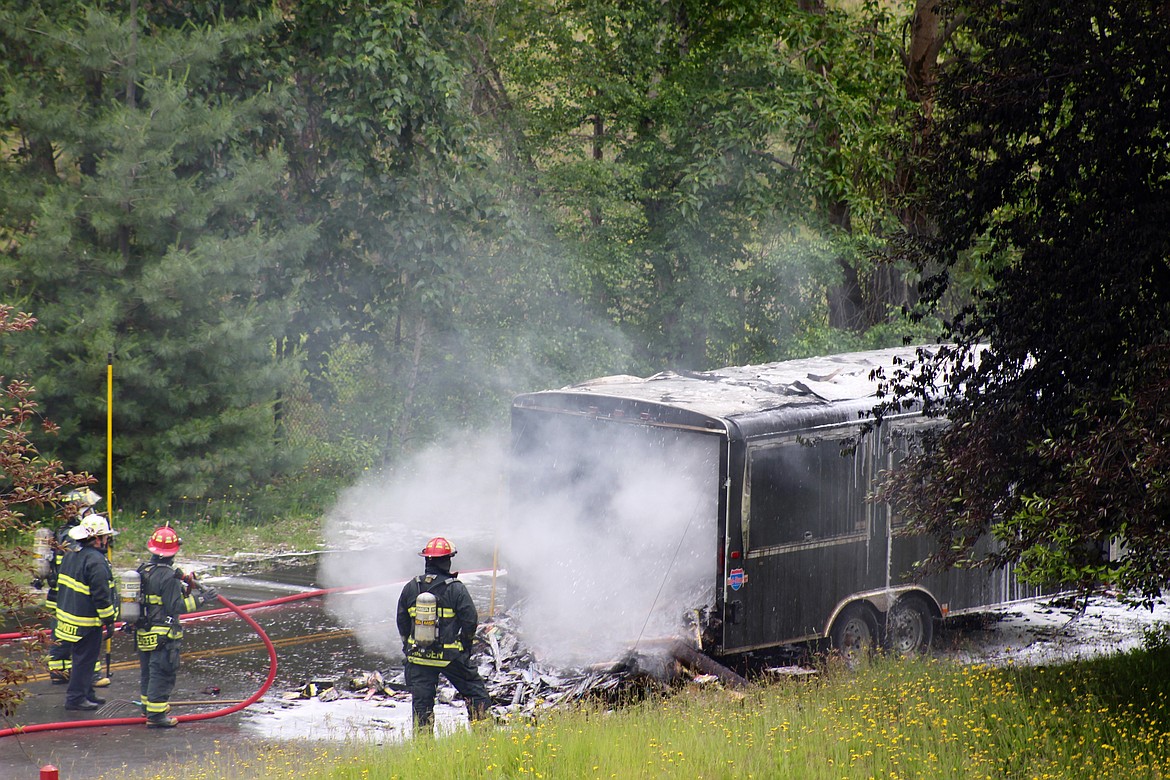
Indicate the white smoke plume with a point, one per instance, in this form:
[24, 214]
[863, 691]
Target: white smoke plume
[606, 561]
[378, 527]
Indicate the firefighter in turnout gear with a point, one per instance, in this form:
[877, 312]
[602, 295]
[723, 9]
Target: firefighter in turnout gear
[166, 594]
[437, 636]
[59, 661]
[87, 602]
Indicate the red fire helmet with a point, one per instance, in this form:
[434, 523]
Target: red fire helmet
[164, 541]
[438, 548]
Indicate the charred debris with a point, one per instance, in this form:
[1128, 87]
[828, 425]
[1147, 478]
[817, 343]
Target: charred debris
[520, 685]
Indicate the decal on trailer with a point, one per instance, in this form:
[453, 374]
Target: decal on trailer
[737, 579]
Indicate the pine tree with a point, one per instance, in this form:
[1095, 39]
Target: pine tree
[140, 219]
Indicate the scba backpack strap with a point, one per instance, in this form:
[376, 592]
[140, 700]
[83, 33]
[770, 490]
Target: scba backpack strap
[144, 597]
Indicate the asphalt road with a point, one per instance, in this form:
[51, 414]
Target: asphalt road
[223, 659]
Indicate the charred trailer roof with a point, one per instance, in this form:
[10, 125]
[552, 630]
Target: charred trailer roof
[757, 400]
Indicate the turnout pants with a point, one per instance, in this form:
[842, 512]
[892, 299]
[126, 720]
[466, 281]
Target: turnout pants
[60, 662]
[60, 659]
[158, 668]
[423, 681]
[84, 654]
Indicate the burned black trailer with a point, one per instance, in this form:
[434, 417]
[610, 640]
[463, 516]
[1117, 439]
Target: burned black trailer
[734, 483]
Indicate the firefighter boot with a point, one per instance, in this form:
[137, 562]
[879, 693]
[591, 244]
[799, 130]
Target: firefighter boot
[101, 682]
[161, 720]
[59, 678]
[477, 711]
[424, 724]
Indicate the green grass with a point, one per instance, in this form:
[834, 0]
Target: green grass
[1105, 718]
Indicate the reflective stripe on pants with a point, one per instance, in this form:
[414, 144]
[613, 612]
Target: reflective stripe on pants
[158, 670]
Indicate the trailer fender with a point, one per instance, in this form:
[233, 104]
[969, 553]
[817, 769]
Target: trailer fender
[881, 601]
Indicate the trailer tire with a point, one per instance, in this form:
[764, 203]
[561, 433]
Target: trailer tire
[909, 626]
[854, 634]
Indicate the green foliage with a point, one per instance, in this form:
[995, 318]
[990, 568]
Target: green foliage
[428, 281]
[30, 485]
[1055, 552]
[1156, 638]
[684, 148]
[316, 235]
[1051, 164]
[1109, 485]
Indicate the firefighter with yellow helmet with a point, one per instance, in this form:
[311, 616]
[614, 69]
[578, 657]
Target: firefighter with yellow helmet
[87, 605]
[83, 501]
[437, 621]
[166, 594]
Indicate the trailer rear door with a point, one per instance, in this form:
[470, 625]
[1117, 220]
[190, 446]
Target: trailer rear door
[614, 522]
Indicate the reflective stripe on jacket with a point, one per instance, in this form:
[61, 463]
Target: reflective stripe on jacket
[457, 619]
[165, 600]
[86, 595]
[62, 544]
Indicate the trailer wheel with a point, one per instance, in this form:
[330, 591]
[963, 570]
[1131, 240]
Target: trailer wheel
[909, 626]
[854, 634]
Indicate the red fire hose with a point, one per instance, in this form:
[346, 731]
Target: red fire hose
[255, 605]
[227, 607]
[16, 635]
[81, 724]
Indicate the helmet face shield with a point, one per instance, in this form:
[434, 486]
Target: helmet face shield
[83, 496]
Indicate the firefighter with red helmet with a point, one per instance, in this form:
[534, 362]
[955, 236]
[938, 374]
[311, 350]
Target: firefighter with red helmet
[437, 621]
[166, 594]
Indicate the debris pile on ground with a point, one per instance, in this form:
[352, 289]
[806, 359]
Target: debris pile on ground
[518, 683]
[354, 684]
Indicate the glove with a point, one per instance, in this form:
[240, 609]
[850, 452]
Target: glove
[108, 629]
[208, 593]
[38, 583]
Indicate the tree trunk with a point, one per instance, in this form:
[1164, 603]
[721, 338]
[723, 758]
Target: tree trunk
[858, 303]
